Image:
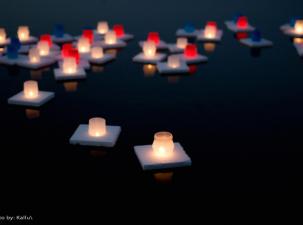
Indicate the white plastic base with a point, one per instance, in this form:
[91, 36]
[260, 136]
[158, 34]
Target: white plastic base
[11, 62]
[42, 98]
[233, 27]
[126, 37]
[252, 44]
[6, 42]
[174, 49]
[141, 58]
[163, 68]
[118, 44]
[82, 137]
[150, 161]
[80, 74]
[60, 40]
[217, 38]
[299, 48]
[161, 46]
[44, 62]
[183, 33]
[31, 40]
[105, 59]
[197, 59]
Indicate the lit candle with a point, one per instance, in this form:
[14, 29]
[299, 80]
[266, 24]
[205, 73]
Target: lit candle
[299, 26]
[89, 34]
[66, 50]
[83, 45]
[43, 47]
[102, 27]
[69, 65]
[23, 33]
[34, 55]
[191, 51]
[97, 53]
[149, 49]
[110, 37]
[119, 30]
[242, 22]
[173, 61]
[154, 37]
[2, 35]
[97, 127]
[182, 42]
[298, 40]
[163, 144]
[30, 89]
[47, 38]
[210, 30]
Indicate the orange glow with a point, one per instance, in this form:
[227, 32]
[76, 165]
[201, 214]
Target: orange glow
[110, 38]
[299, 27]
[34, 56]
[30, 89]
[2, 35]
[43, 48]
[163, 144]
[102, 27]
[69, 65]
[149, 49]
[97, 127]
[23, 33]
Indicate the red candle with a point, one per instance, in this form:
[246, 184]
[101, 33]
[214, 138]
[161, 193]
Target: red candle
[154, 36]
[89, 35]
[65, 50]
[47, 38]
[211, 24]
[119, 30]
[74, 53]
[242, 22]
[191, 51]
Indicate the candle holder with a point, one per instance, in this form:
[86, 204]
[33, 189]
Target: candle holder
[3, 38]
[59, 36]
[98, 56]
[69, 70]
[188, 31]
[111, 41]
[179, 46]
[155, 37]
[31, 96]
[174, 65]
[120, 32]
[84, 45]
[191, 55]
[239, 24]
[210, 33]
[256, 41]
[24, 35]
[149, 54]
[162, 154]
[96, 133]
[102, 28]
[294, 28]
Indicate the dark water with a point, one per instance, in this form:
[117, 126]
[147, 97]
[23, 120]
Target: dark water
[239, 117]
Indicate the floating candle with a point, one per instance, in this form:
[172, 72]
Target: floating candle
[119, 30]
[190, 51]
[69, 65]
[65, 50]
[149, 49]
[97, 53]
[43, 47]
[154, 37]
[242, 22]
[23, 33]
[97, 127]
[47, 38]
[163, 145]
[2, 36]
[89, 34]
[174, 61]
[34, 55]
[110, 38]
[299, 26]
[83, 45]
[210, 30]
[182, 42]
[102, 27]
[30, 89]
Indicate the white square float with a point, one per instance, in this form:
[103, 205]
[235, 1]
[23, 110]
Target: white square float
[256, 44]
[11, 62]
[173, 48]
[82, 137]
[105, 59]
[79, 74]
[183, 33]
[160, 46]
[150, 161]
[164, 68]
[19, 99]
[44, 62]
[197, 59]
[202, 37]
[126, 37]
[83, 63]
[30, 40]
[299, 48]
[64, 39]
[141, 58]
[232, 26]
[290, 31]
[117, 44]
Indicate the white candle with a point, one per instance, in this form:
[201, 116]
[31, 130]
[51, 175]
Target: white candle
[23, 33]
[83, 45]
[173, 61]
[97, 127]
[163, 145]
[97, 53]
[299, 27]
[2, 35]
[182, 42]
[102, 27]
[34, 55]
[43, 48]
[30, 89]
[110, 37]
[69, 65]
[210, 32]
[149, 49]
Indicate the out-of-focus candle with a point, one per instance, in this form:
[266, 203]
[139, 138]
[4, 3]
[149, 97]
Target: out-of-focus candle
[299, 26]
[149, 69]
[210, 30]
[119, 30]
[154, 37]
[174, 61]
[163, 145]
[97, 53]
[30, 89]
[2, 35]
[102, 27]
[34, 55]
[89, 34]
[43, 47]
[83, 45]
[97, 127]
[149, 49]
[110, 37]
[47, 38]
[74, 53]
[182, 42]
[69, 65]
[23, 33]
[298, 40]
[191, 51]
[242, 22]
[65, 49]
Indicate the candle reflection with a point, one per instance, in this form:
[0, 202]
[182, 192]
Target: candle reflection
[209, 47]
[97, 68]
[298, 40]
[149, 70]
[36, 74]
[70, 86]
[32, 113]
[163, 177]
[98, 153]
[173, 79]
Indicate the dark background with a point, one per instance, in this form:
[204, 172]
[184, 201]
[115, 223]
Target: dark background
[238, 117]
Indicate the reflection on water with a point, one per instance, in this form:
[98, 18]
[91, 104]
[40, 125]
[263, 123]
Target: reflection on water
[163, 177]
[209, 47]
[149, 70]
[32, 113]
[173, 79]
[298, 40]
[113, 52]
[1, 50]
[36, 74]
[193, 69]
[241, 35]
[98, 153]
[255, 52]
[97, 68]
[70, 86]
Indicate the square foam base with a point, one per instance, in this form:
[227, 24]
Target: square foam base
[140, 58]
[126, 37]
[31, 40]
[233, 27]
[163, 68]
[252, 44]
[149, 161]
[60, 40]
[183, 33]
[81, 137]
[161, 46]
[299, 48]
[289, 31]
[45, 61]
[197, 59]
[118, 44]
[174, 49]
[11, 62]
[19, 99]
[217, 38]
[80, 74]
[105, 59]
